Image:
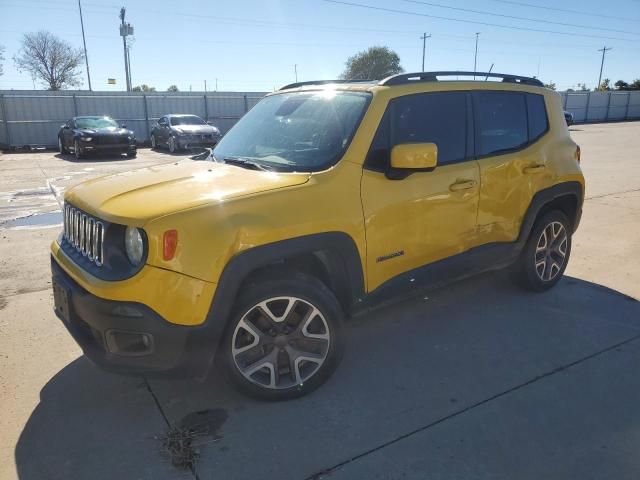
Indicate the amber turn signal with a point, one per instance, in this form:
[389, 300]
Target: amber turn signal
[169, 244]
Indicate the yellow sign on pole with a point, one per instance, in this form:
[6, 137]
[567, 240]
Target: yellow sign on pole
[111, 81]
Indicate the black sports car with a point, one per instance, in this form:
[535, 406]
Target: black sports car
[568, 117]
[84, 135]
[183, 131]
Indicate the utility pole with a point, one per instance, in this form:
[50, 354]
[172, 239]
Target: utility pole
[216, 85]
[603, 50]
[205, 86]
[475, 57]
[125, 30]
[424, 46]
[295, 69]
[84, 42]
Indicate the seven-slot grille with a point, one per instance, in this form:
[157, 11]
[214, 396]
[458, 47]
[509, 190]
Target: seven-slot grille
[85, 233]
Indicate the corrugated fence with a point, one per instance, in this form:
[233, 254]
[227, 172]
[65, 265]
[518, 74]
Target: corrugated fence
[34, 117]
[602, 106]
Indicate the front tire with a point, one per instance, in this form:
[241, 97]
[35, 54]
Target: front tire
[154, 143]
[61, 148]
[284, 338]
[76, 150]
[173, 144]
[546, 253]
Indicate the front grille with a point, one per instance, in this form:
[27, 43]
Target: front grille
[85, 233]
[111, 140]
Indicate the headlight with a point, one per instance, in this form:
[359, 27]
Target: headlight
[86, 139]
[134, 245]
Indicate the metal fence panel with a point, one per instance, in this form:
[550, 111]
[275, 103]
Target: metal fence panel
[34, 117]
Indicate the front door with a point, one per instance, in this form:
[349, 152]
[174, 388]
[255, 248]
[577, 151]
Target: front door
[426, 216]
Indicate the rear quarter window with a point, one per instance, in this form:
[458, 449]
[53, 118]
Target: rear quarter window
[537, 113]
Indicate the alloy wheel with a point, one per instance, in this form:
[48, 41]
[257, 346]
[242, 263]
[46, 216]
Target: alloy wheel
[280, 342]
[172, 145]
[76, 150]
[551, 251]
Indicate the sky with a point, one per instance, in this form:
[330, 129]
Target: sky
[256, 45]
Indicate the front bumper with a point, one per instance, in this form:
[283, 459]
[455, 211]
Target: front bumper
[197, 141]
[108, 148]
[129, 337]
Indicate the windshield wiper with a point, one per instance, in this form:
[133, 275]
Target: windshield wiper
[244, 163]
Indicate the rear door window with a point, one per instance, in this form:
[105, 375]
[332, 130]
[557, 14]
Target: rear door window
[501, 122]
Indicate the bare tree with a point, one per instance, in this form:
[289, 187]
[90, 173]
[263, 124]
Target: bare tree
[1, 58]
[50, 59]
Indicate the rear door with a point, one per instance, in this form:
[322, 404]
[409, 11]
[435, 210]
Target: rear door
[429, 215]
[509, 126]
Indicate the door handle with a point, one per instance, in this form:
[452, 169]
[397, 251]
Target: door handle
[534, 168]
[462, 185]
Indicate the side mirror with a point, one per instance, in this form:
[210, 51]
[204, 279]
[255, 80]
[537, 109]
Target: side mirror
[415, 156]
[123, 125]
[64, 127]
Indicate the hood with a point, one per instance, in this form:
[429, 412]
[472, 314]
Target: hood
[138, 196]
[105, 131]
[199, 129]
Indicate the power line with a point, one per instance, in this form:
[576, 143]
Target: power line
[566, 10]
[474, 22]
[513, 17]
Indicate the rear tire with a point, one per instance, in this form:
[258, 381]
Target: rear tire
[132, 154]
[154, 143]
[284, 337]
[546, 253]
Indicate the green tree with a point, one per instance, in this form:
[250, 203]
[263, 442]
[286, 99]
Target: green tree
[604, 85]
[172, 88]
[550, 85]
[621, 85]
[143, 88]
[635, 85]
[375, 63]
[50, 59]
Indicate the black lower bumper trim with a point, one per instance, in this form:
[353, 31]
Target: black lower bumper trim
[129, 337]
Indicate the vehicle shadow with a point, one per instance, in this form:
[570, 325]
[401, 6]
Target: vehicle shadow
[69, 157]
[406, 366]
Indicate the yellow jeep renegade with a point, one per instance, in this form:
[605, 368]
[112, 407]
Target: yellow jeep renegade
[324, 199]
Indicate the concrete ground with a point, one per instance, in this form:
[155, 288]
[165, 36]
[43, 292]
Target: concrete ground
[474, 380]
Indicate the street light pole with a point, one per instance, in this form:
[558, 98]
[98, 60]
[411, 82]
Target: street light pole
[475, 57]
[125, 30]
[84, 42]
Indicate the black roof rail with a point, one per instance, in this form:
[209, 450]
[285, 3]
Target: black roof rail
[405, 78]
[322, 82]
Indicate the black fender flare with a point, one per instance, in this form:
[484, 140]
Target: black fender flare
[336, 250]
[543, 198]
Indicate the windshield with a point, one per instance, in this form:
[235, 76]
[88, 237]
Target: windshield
[187, 120]
[296, 131]
[95, 122]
